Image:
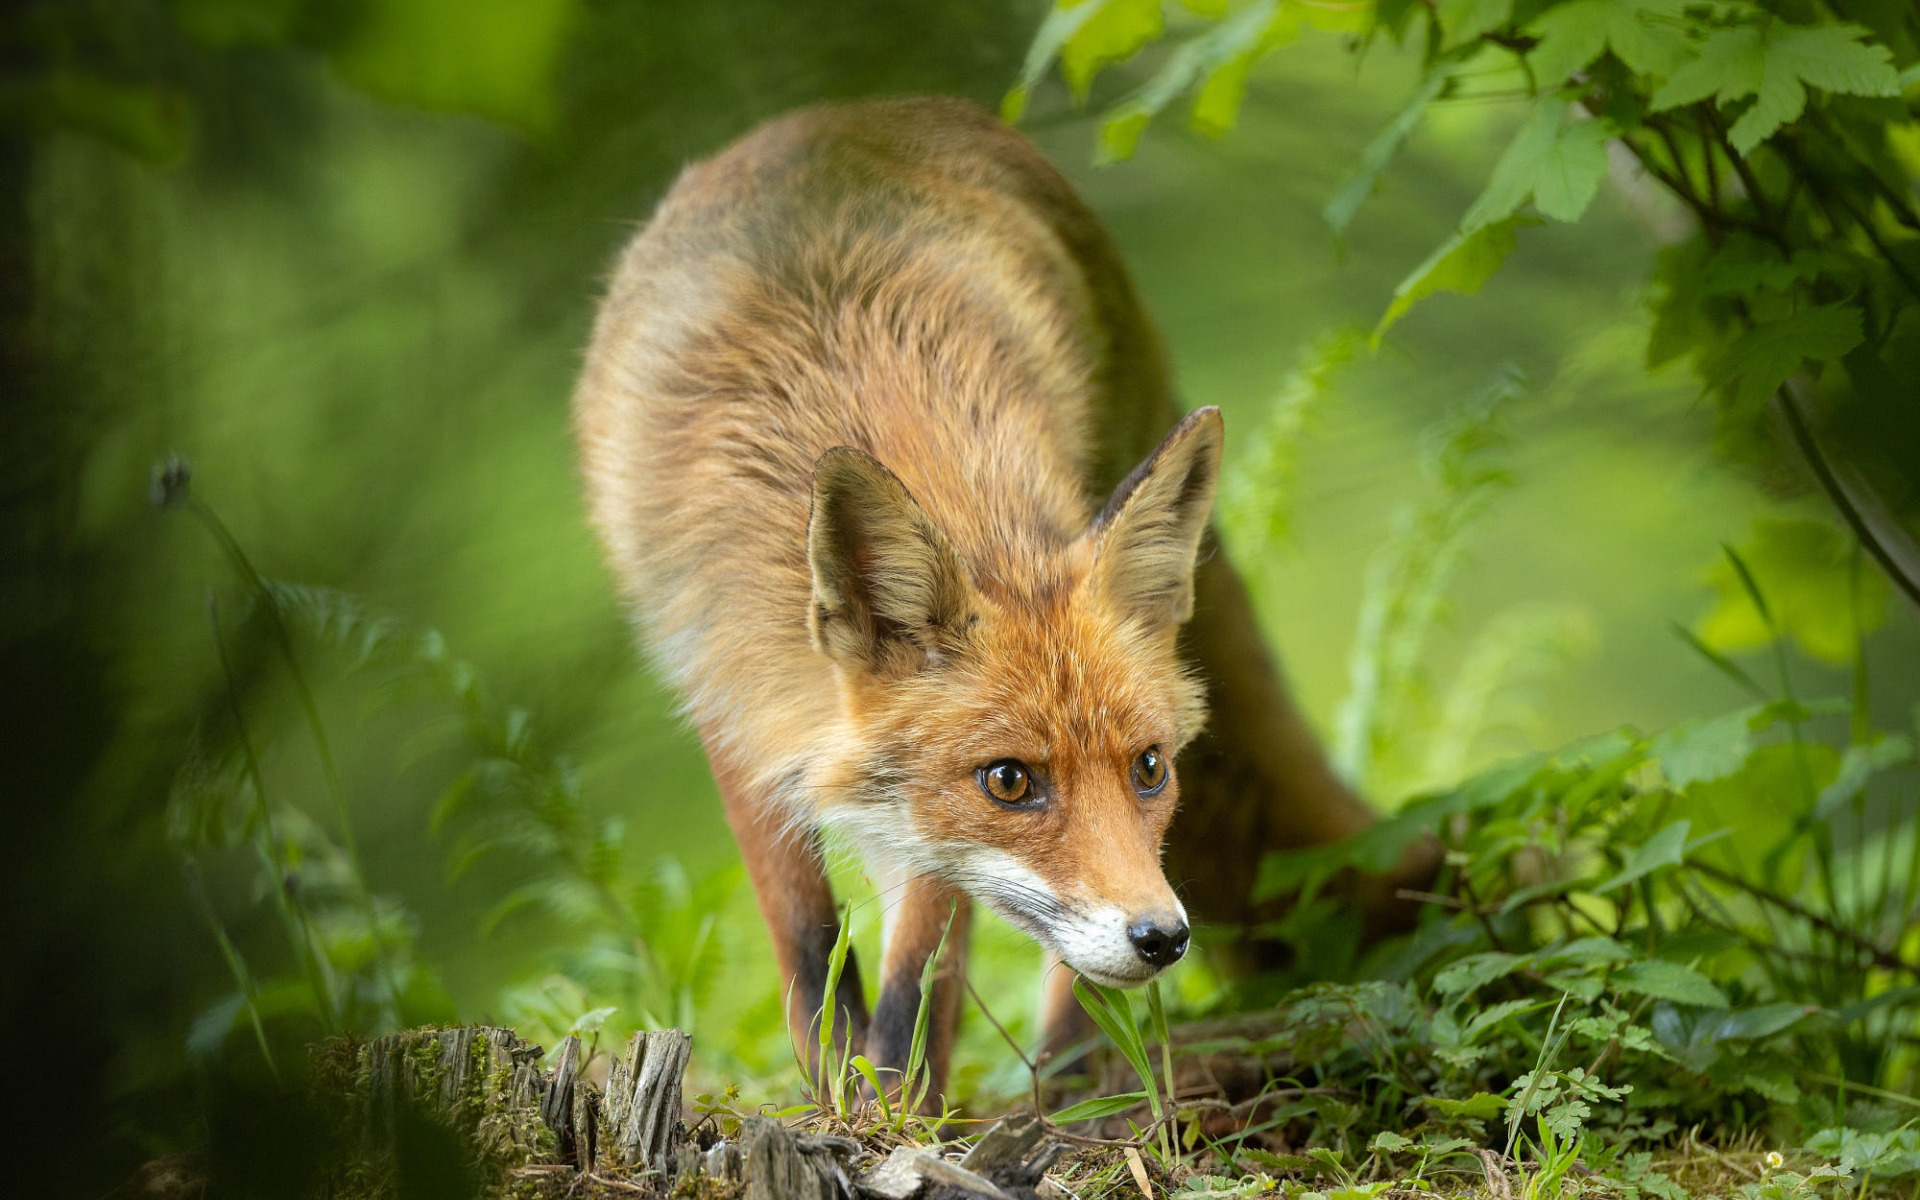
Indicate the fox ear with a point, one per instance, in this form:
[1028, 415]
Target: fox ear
[1149, 534]
[889, 593]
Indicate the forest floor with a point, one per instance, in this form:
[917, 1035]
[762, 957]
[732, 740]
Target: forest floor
[473, 1112]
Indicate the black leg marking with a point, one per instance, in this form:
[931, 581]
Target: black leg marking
[890, 1039]
[813, 949]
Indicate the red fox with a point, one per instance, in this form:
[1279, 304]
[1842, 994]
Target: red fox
[835, 422]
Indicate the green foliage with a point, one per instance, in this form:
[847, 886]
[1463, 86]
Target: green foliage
[833, 1070]
[1782, 129]
[1556, 160]
[1409, 575]
[1775, 63]
[1707, 926]
[127, 80]
[1255, 504]
[1818, 593]
[1462, 264]
[648, 940]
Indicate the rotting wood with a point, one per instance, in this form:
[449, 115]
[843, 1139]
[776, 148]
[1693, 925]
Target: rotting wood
[640, 1115]
[530, 1132]
[486, 1086]
[778, 1169]
[483, 1082]
[1005, 1144]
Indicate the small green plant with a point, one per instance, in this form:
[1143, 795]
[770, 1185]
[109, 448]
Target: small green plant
[648, 939]
[1783, 131]
[833, 1081]
[1112, 1010]
[352, 963]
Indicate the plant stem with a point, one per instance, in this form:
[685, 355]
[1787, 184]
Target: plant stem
[1880, 955]
[283, 639]
[1864, 512]
[236, 965]
[267, 844]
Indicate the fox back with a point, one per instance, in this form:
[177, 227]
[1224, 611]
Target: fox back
[835, 423]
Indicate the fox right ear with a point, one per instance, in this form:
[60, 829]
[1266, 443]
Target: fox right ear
[889, 593]
[1149, 535]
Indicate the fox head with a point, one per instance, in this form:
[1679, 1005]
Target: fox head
[1016, 736]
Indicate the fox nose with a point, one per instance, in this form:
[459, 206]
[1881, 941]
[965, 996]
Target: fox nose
[1159, 940]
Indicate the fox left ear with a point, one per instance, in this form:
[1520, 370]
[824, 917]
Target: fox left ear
[889, 592]
[1149, 535]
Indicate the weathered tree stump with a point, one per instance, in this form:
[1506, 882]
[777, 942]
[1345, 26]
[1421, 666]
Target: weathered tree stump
[640, 1121]
[484, 1083]
[483, 1089]
[470, 1112]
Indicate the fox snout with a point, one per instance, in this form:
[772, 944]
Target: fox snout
[1159, 939]
[1119, 947]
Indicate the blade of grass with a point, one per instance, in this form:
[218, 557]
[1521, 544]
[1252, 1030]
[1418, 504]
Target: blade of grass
[917, 1075]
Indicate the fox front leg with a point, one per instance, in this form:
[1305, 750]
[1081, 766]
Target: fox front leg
[796, 901]
[920, 912]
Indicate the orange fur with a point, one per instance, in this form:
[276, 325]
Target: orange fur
[834, 422]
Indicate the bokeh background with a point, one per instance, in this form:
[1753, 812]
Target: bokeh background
[342, 258]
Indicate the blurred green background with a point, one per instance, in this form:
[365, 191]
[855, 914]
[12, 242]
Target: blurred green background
[343, 257]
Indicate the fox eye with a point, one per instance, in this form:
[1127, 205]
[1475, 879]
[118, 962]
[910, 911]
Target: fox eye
[1150, 771]
[1006, 781]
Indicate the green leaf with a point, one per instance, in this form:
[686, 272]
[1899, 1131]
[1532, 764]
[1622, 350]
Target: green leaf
[1113, 1013]
[1476, 971]
[1805, 568]
[1858, 765]
[1487, 1019]
[1228, 47]
[1481, 1106]
[1099, 1106]
[1570, 36]
[1588, 951]
[1711, 749]
[592, 1021]
[1380, 152]
[1464, 20]
[1270, 1161]
[1774, 62]
[1553, 159]
[1670, 981]
[1752, 1024]
[1730, 65]
[1464, 263]
[1765, 804]
[1114, 31]
[1063, 21]
[836, 965]
[864, 1066]
[1663, 849]
[1567, 180]
[1721, 662]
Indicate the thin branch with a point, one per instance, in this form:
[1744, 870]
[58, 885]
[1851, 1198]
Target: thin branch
[1768, 215]
[1486, 922]
[1896, 554]
[1901, 205]
[1881, 956]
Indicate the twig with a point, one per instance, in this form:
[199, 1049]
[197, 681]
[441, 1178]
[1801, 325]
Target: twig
[1881, 956]
[1033, 1071]
[1882, 538]
[1495, 1167]
[1486, 923]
